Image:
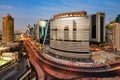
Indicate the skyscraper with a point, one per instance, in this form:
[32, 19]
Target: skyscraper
[42, 29]
[118, 18]
[97, 33]
[7, 28]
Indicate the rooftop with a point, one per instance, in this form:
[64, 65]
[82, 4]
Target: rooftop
[8, 15]
[70, 14]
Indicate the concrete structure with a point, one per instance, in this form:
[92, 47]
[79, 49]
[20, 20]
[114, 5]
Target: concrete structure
[116, 36]
[65, 58]
[109, 33]
[38, 31]
[34, 31]
[4, 49]
[69, 70]
[118, 18]
[28, 30]
[69, 35]
[47, 39]
[7, 29]
[43, 31]
[9, 56]
[97, 30]
[31, 31]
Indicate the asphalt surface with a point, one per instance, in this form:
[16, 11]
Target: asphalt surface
[35, 61]
[12, 73]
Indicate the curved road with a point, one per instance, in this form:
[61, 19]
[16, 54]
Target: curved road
[34, 60]
[55, 69]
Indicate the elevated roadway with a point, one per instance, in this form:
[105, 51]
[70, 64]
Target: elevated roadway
[56, 69]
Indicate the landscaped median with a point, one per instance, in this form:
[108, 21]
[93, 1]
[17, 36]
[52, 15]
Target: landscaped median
[5, 63]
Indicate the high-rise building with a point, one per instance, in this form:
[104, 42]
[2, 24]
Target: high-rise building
[116, 36]
[7, 28]
[69, 36]
[42, 30]
[97, 30]
[47, 37]
[34, 31]
[38, 31]
[118, 18]
[28, 30]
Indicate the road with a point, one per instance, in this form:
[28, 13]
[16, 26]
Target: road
[11, 73]
[55, 68]
[34, 60]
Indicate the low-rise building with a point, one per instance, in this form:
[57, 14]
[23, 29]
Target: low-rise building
[9, 56]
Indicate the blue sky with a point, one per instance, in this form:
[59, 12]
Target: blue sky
[29, 11]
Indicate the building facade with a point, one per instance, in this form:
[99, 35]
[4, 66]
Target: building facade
[109, 33]
[97, 30]
[69, 35]
[118, 18]
[7, 29]
[116, 36]
[34, 31]
[42, 31]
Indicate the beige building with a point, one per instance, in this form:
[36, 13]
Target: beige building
[9, 56]
[109, 33]
[7, 28]
[116, 36]
[69, 36]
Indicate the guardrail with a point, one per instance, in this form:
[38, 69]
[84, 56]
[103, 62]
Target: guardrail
[24, 75]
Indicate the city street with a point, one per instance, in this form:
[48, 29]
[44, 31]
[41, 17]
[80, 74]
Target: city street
[15, 71]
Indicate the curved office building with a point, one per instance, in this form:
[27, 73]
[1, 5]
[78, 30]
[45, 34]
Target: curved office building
[69, 36]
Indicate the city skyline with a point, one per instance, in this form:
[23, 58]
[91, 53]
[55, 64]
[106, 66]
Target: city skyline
[59, 40]
[25, 12]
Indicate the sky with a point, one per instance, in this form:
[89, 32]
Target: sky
[27, 12]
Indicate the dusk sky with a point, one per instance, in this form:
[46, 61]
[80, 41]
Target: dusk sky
[29, 11]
